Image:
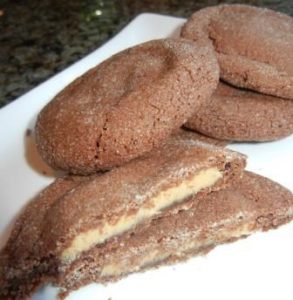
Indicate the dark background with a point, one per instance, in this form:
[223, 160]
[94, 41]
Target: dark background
[39, 38]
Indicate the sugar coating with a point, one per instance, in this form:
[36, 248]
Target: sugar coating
[254, 45]
[242, 115]
[125, 106]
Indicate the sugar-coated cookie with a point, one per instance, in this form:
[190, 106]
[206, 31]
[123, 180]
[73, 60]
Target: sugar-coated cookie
[125, 106]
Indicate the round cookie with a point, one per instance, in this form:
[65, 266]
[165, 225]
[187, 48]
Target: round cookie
[254, 45]
[241, 115]
[125, 106]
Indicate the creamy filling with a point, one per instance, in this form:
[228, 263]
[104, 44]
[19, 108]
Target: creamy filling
[124, 266]
[87, 240]
[120, 268]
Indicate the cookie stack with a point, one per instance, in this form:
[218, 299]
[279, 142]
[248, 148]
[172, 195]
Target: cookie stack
[140, 191]
[254, 49]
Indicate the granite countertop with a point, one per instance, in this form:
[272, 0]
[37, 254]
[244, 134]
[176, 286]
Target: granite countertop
[40, 38]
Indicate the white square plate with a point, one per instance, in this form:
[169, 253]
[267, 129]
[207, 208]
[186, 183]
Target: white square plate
[259, 267]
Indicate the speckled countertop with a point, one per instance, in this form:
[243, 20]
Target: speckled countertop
[41, 38]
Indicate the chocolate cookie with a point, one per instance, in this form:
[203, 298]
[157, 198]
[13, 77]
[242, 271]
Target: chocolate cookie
[242, 115]
[72, 217]
[254, 45]
[125, 106]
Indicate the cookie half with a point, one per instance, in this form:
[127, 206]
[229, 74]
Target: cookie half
[241, 115]
[72, 217]
[253, 204]
[125, 106]
[254, 45]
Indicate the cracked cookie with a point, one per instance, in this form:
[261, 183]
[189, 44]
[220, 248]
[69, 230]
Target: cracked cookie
[125, 106]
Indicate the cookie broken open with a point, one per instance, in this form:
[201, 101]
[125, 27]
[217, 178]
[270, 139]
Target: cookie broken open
[81, 215]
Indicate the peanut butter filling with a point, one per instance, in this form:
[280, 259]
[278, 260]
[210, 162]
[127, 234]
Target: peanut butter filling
[121, 268]
[85, 241]
[124, 266]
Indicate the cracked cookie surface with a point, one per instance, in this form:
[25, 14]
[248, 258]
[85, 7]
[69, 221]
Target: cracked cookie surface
[125, 106]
